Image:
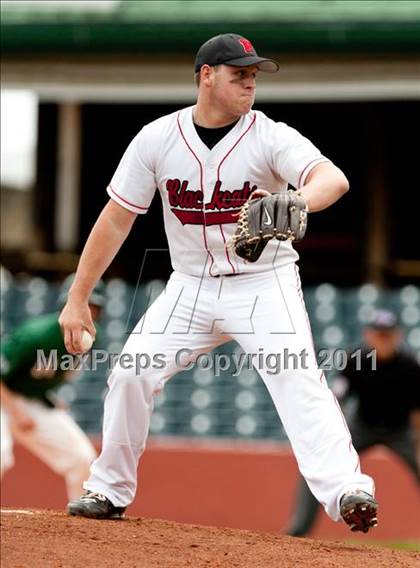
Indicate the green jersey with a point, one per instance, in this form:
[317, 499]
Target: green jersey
[19, 369]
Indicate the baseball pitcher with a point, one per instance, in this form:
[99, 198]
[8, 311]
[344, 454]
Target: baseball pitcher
[222, 171]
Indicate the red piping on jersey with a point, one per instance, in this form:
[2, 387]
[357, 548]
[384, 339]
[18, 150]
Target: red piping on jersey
[218, 179]
[226, 251]
[320, 160]
[125, 200]
[192, 152]
[206, 245]
[236, 143]
[202, 189]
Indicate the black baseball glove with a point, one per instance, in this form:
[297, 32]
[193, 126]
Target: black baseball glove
[282, 216]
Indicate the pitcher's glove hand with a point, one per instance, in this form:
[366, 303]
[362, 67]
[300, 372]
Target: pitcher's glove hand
[282, 216]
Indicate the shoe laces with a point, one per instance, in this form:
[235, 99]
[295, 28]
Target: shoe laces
[91, 497]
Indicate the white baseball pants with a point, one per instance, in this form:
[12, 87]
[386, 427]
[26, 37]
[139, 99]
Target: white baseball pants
[263, 311]
[56, 439]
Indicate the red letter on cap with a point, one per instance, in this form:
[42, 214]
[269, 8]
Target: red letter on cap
[247, 45]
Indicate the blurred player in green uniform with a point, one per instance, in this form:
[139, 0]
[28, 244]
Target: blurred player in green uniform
[30, 412]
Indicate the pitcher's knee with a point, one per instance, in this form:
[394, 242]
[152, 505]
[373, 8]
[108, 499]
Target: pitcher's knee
[135, 381]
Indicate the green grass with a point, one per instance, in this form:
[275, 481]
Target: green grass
[402, 544]
[412, 545]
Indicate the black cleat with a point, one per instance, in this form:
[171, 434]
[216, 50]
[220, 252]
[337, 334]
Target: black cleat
[359, 510]
[94, 506]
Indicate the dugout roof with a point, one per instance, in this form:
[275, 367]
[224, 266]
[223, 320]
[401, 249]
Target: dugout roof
[181, 26]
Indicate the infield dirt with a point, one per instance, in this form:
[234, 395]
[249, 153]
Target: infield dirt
[50, 539]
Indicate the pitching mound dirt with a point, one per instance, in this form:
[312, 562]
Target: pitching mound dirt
[50, 539]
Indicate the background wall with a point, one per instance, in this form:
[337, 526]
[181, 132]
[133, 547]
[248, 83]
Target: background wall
[234, 485]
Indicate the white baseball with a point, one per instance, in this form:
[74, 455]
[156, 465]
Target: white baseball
[87, 341]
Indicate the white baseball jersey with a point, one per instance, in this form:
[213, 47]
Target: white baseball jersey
[202, 190]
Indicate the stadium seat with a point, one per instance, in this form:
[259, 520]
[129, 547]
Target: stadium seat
[27, 298]
[195, 402]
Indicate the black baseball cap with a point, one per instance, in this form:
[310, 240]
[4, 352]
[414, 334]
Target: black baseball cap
[384, 320]
[232, 49]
